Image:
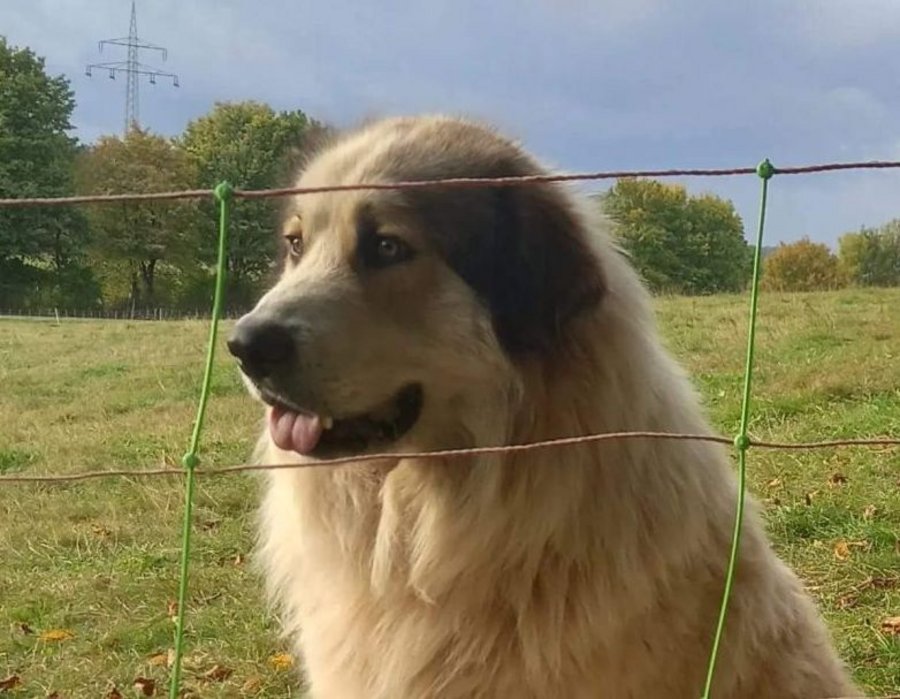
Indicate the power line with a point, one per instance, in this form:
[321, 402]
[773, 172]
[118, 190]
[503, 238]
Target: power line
[132, 68]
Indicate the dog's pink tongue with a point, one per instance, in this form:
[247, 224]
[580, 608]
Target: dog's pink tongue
[294, 431]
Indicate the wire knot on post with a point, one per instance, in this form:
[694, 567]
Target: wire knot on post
[742, 442]
[224, 191]
[765, 170]
[190, 460]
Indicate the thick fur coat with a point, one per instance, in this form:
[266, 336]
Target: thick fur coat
[580, 572]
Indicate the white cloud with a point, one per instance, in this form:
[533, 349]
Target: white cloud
[611, 85]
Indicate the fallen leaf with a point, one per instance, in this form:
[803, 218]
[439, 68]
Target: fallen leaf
[848, 602]
[837, 479]
[159, 660]
[774, 483]
[882, 583]
[218, 673]
[281, 661]
[56, 635]
[842, 550]
[54, 695]
[10, 682]
[145, 686]
[101, 530]
[253, 684]
[113, 693]
[891, 625]
[870, 512]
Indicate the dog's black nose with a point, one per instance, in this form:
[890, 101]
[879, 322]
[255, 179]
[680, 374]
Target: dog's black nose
[261, 346]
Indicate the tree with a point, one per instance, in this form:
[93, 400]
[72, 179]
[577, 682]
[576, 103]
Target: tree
[802, 266]
[251, 146]
[40, 247]
[680, 243]
[138, 237]
[871, 257]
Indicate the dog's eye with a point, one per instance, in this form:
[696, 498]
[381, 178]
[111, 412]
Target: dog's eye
[295, 245]
[389, 250]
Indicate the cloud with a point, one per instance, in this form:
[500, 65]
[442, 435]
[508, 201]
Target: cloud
[614, 85]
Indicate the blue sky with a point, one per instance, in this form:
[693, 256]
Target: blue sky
[585, 84]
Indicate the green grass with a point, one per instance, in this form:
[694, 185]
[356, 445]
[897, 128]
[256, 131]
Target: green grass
[99, 559]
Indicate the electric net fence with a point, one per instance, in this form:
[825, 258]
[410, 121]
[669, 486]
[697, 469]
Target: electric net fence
[225, 195]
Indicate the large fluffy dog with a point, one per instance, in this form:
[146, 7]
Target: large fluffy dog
[442, 318]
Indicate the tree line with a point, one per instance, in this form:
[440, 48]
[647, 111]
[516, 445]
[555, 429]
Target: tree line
[688, 244]
[868, 257]
[137, 254]
[162, 254]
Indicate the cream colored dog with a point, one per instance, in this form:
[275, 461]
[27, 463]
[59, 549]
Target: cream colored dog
[445, 318]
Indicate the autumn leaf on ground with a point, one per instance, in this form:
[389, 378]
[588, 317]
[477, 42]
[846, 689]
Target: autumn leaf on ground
[842, 551]
[10, 682]
[159, 660]
[253, 684]
[113, 694]
[847, 601]
[101, 530]
[56, 635]
[281, 661]
[883, 583]
[842, 548]
[891, 625]
[53, 695]
[145, 686]
[217, 673]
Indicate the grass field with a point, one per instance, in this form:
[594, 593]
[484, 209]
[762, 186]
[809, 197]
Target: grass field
[88, 571]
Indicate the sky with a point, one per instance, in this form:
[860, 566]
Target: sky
[585, 85]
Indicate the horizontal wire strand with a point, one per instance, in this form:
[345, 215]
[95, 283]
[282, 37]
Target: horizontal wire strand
[458, 182]
[886, 442]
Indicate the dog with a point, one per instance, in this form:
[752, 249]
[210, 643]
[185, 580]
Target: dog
[446, 317]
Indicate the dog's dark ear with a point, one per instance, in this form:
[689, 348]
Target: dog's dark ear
[534, 269]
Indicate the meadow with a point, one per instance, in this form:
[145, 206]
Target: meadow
[88, 570]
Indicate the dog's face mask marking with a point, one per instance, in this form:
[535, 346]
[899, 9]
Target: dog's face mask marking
[394, 303]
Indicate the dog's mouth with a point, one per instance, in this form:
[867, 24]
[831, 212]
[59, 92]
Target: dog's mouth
[321, 436]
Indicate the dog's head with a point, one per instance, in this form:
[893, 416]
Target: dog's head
[397, 311]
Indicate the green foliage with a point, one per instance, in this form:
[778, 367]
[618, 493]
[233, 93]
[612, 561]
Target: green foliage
[39, 246]
[802, 266]
[871, 257]
[138, 239]
[680, 243]
[251, 146]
